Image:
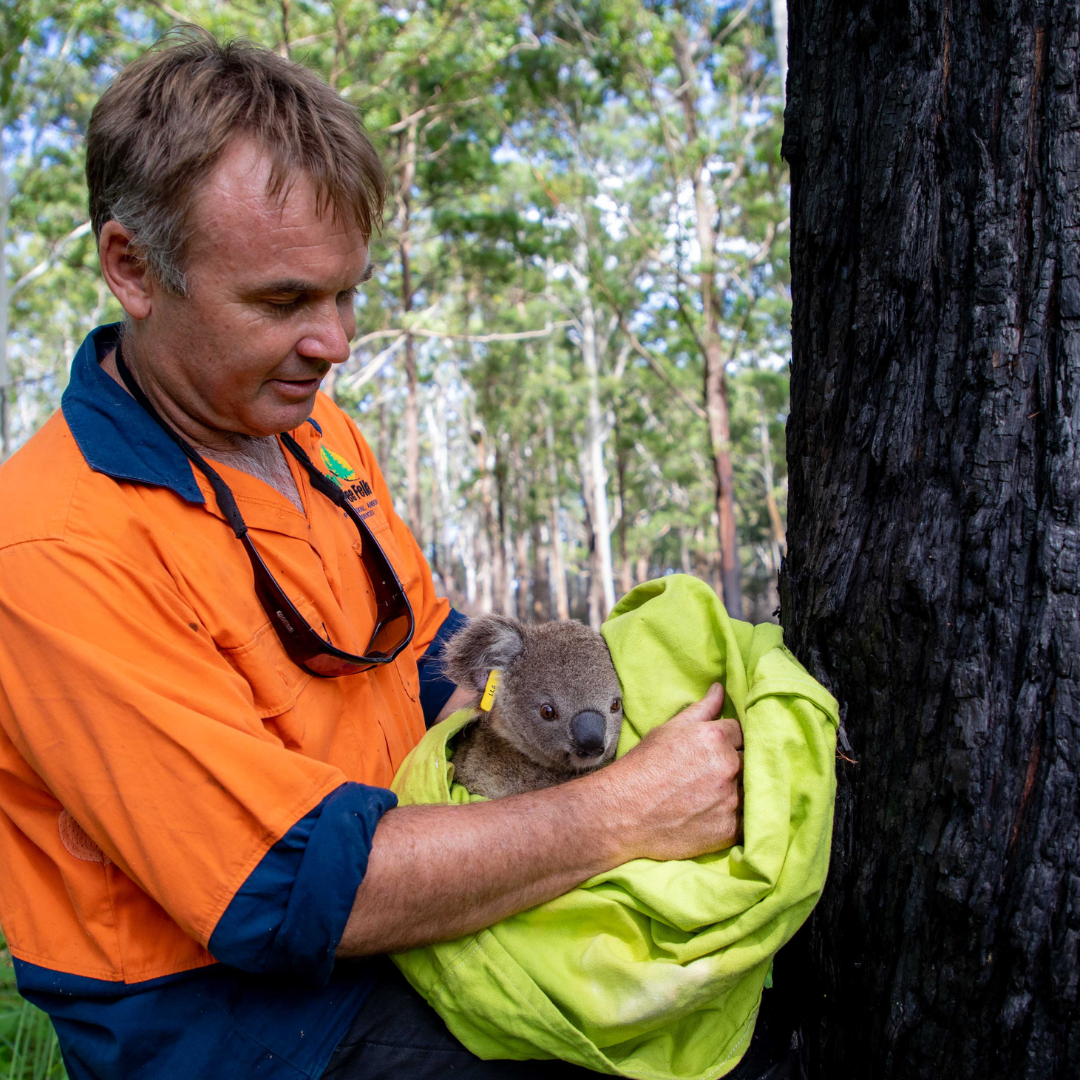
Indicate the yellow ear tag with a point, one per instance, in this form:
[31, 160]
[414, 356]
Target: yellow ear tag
[489, 691]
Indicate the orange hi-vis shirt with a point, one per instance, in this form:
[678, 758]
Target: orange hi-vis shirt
[157, 745]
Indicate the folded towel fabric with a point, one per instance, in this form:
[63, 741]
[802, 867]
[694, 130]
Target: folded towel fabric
[655, 970]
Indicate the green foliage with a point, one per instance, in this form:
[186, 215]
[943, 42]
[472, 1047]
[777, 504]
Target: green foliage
[539, 155]
[28, 1047]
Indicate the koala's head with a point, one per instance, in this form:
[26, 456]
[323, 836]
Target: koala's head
[558, 700]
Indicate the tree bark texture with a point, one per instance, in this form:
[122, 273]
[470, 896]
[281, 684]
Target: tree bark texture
[934, 544]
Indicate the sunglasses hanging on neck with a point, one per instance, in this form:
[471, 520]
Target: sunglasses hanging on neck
[394, 622]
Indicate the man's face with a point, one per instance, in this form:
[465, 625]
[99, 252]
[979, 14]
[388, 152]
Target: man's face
[269, 305]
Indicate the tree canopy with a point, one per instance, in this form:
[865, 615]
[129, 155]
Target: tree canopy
[572, 358]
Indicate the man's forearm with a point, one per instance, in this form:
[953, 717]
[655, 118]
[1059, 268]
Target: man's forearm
[461, 697]
[438, 872]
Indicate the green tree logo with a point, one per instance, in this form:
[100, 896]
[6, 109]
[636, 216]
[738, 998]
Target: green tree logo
[340, 470]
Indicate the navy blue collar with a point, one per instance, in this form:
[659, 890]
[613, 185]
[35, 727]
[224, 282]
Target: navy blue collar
[115, 434]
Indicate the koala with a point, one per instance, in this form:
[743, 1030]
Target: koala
[557, 711]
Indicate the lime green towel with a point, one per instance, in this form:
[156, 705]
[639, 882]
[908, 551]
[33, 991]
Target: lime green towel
[655, 969]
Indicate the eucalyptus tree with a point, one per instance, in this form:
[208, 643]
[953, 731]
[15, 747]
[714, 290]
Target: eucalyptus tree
[528, 362]
[707, 100]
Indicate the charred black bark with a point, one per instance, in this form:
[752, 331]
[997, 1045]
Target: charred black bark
[934, 544]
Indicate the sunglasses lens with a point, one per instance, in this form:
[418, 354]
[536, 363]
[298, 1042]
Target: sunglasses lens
[330, 667]
[389, 634]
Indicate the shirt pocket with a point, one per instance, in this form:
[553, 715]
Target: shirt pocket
[275, 681]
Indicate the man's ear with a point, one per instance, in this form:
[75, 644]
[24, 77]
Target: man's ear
[488, 642]
[124, 272]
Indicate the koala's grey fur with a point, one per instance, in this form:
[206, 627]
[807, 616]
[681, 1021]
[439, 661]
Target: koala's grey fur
[561, 666]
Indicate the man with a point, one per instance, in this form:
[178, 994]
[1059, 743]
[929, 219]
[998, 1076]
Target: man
[207, 674]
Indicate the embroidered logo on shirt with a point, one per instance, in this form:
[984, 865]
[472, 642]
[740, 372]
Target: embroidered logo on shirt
[344, 475]
[341, 471]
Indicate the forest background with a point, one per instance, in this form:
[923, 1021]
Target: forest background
[572, 360]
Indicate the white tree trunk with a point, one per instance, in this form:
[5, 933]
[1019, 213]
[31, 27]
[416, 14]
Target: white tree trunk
[466, 548]
[435, 414]
[595, 435]
[557, 573]
[560, 595]
[779, 20]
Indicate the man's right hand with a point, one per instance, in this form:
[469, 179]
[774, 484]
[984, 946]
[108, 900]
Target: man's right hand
[676, 794]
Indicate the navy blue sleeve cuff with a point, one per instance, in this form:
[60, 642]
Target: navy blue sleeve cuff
[435, 687]
[290, 913]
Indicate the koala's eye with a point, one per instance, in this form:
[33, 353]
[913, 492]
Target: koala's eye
[616, 705]
[547, 712]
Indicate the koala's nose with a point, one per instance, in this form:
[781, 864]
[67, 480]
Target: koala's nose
[588, 729]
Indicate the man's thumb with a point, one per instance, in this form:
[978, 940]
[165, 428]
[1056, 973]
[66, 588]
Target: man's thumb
[708, 708]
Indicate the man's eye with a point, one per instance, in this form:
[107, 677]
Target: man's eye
[283, 307]
[348, 296]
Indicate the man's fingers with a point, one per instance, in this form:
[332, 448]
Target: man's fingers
[708, 708]
[714, 700]
[733, 731]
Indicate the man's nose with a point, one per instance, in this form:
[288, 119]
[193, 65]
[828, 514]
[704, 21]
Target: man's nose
[588, 730]
[328, 341]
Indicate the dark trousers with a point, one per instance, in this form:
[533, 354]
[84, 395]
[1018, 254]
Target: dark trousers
[398, 1036]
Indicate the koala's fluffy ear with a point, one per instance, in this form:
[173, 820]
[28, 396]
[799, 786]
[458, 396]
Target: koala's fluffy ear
[489, 641]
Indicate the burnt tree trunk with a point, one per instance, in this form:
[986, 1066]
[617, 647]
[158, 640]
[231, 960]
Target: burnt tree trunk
[934, 544]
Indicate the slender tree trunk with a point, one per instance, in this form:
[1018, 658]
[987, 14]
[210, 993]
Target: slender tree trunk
[466, 546]
[716, 407]
[684, 554]
[778, 540]
[595, 435]
[642, 573]
[716, 396]
[484, 568]
[597, 606]
[435, 414]
[596, 593]
[283, 48]
[521, 563]
[504, 594]
[933, 572]
[493, 574]
[626, 582]
[561, 609]
[438, 568]
[386, 436]
[412, 403]
[541, 592]
[779, 21]
[521, 542]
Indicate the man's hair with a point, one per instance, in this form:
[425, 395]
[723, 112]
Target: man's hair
[166, 120]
